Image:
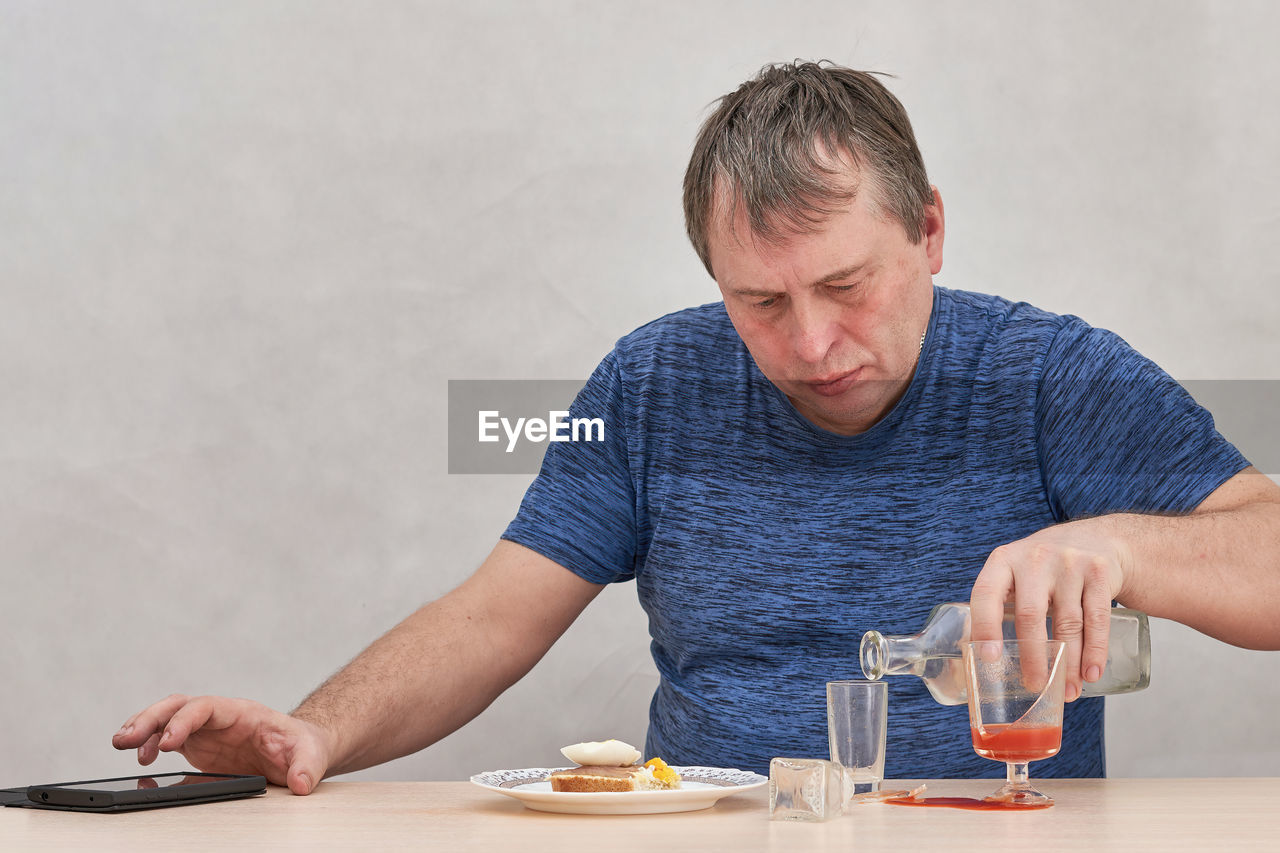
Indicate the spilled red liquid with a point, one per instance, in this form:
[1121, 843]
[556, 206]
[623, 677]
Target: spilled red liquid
[969, 803]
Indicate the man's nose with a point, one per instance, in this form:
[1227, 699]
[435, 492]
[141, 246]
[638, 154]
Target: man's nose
[813, 332]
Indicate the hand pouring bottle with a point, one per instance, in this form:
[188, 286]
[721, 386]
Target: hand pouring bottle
[934, 654]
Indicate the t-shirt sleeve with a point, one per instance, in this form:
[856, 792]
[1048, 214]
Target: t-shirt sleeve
[1118, 434]
[580, 510]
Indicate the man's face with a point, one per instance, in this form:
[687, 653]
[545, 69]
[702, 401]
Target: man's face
[833, 317]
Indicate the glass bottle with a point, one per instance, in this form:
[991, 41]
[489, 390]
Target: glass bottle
[934, 653]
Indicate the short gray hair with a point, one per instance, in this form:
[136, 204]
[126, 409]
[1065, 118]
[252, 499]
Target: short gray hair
[779, 143]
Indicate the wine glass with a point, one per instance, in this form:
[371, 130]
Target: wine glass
[1015, 709]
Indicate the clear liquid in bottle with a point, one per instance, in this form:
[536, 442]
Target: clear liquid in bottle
[934, 654]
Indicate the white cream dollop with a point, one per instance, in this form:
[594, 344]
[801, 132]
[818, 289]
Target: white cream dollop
[605, 753]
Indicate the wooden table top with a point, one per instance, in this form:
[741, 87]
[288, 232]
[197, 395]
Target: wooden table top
[1090, 815]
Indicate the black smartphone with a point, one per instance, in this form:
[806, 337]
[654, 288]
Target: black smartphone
[127, 793]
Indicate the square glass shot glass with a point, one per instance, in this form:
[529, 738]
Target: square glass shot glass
[805, 789]
[857, 719]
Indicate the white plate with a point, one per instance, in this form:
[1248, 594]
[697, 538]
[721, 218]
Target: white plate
[700, 788]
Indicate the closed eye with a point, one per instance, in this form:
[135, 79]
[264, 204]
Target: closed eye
[763, 301]
[849, 291]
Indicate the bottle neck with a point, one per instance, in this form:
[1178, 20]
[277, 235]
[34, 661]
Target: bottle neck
[890, 654]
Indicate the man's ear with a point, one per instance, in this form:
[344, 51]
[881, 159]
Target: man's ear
[934, 231]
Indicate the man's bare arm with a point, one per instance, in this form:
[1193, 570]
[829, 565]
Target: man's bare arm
[425, 678]
[442, 666]
[1216, 570]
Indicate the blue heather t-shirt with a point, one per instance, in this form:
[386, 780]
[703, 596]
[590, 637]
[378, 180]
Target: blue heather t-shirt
[763, 547]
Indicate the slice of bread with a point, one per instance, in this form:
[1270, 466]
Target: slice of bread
[591, 778]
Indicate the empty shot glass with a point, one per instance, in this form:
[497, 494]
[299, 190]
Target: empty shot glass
[857, 717]
[805, 789]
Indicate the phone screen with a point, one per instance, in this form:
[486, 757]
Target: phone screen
[142, 783]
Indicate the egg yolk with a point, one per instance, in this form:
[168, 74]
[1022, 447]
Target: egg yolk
[662, 771]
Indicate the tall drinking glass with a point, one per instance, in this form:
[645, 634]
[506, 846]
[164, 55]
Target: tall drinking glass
[857, 714]
[1015, 708]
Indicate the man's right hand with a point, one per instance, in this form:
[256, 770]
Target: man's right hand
[220, 735]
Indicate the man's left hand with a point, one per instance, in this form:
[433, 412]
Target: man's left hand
[1070, 572]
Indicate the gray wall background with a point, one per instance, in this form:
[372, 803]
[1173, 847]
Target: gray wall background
[244, 245]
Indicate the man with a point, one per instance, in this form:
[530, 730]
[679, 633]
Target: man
[836, 447]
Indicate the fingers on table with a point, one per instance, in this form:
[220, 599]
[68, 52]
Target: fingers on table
[139, 728]
[188, 719]
[165, 725]
[150, 750]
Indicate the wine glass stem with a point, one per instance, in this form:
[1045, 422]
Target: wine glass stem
[1017, 774]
